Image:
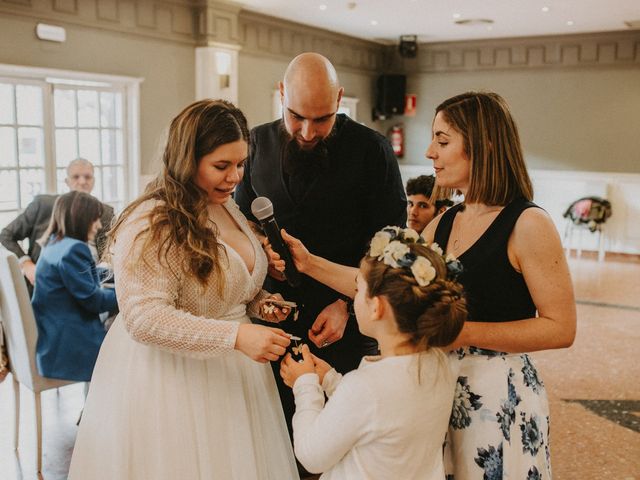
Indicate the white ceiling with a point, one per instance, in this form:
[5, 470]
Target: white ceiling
[433, 20]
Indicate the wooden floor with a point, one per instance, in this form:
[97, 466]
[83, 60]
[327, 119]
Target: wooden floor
[594, 389]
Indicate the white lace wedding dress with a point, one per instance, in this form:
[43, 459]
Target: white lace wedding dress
[170, 398]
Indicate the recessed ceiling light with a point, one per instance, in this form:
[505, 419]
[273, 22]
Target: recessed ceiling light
[471, 22]
[570, 22]
[374, 22]
[322, 7]
[456, 15]
[545, 9]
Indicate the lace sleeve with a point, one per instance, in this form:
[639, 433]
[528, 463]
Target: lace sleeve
[147, 297]
[253, 307]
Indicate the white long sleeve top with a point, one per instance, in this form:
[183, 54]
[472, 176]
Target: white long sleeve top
[387, 419]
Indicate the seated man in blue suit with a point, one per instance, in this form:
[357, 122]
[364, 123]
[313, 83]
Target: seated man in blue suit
[68, 297]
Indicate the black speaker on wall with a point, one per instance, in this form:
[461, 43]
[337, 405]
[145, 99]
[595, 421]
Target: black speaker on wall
[408, 47]
[390, 93]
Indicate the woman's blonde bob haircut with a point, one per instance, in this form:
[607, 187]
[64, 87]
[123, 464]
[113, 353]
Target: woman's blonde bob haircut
[492, 143]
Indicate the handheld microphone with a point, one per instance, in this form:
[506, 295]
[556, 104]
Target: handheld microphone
[262, 209]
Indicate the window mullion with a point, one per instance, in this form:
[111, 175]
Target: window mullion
[50, 172]
[77, 127]
[17, 148]
[100, 144]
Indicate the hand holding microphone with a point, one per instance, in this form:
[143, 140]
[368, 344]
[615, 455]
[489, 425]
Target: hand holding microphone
[262, 209]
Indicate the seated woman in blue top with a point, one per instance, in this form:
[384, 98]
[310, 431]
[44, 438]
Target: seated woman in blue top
[68, 298]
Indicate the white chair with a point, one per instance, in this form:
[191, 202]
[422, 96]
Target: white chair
[587, 214]
[21, 335]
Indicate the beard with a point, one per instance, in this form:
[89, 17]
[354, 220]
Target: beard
[297, 159]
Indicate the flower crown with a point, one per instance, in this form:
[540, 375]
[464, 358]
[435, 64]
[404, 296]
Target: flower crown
[391, 246]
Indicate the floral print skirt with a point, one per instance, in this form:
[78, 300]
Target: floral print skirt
[499, 426]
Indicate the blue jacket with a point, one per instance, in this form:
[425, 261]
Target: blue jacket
[66, 302]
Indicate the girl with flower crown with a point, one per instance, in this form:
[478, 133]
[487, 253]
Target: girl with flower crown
[518, 288]
[388, 418]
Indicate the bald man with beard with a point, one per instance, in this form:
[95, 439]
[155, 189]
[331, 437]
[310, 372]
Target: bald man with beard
[333, 183]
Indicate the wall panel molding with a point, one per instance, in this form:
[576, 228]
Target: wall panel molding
[65, 6]
[205, 22]
[209, 22]
[217, 23]
[611, 49]
[264, 35]
[159, 19]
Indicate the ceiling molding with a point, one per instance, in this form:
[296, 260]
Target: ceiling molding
[203, 22]
[217, 23]
[614, 49]
[264, 35]
[158, 19]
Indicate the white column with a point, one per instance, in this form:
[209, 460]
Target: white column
[217, 72]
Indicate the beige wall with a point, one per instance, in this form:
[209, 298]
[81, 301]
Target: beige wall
[569, 120]
[576, 99]
[259, 77]
[268, 44]
[159, 48]
[166, 67]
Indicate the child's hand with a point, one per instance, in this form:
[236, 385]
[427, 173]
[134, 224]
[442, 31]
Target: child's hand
[320, 366]
[290, 369]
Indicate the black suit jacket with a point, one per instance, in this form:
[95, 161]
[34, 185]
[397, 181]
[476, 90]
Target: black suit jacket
[359, 193]
[33, 222]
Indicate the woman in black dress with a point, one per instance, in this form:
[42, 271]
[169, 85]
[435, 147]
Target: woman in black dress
[518, 286]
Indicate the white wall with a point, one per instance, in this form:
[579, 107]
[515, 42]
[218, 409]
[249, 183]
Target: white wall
[556, 190]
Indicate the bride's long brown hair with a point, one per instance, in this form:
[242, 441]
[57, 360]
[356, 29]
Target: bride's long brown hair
[179, 218]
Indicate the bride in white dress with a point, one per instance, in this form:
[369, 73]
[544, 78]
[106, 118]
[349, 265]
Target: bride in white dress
[182, 388]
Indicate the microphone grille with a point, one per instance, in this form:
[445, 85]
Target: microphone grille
[262, 208]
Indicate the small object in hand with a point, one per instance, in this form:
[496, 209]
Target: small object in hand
[268, 309]
[295, 348]
[270, 304]
[325, 344]
[280, 303]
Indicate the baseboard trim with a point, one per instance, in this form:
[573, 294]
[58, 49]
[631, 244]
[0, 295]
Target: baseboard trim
[609, 256]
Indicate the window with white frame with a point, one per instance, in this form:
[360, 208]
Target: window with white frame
[48, 118]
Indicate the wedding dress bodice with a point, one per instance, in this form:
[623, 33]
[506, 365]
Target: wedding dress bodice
[161, 305]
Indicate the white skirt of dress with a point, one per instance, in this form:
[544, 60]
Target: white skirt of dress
[153, 414]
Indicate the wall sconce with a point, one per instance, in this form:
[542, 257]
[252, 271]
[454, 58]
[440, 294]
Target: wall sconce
[52, 33]
[223, 68]
[216, 72]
